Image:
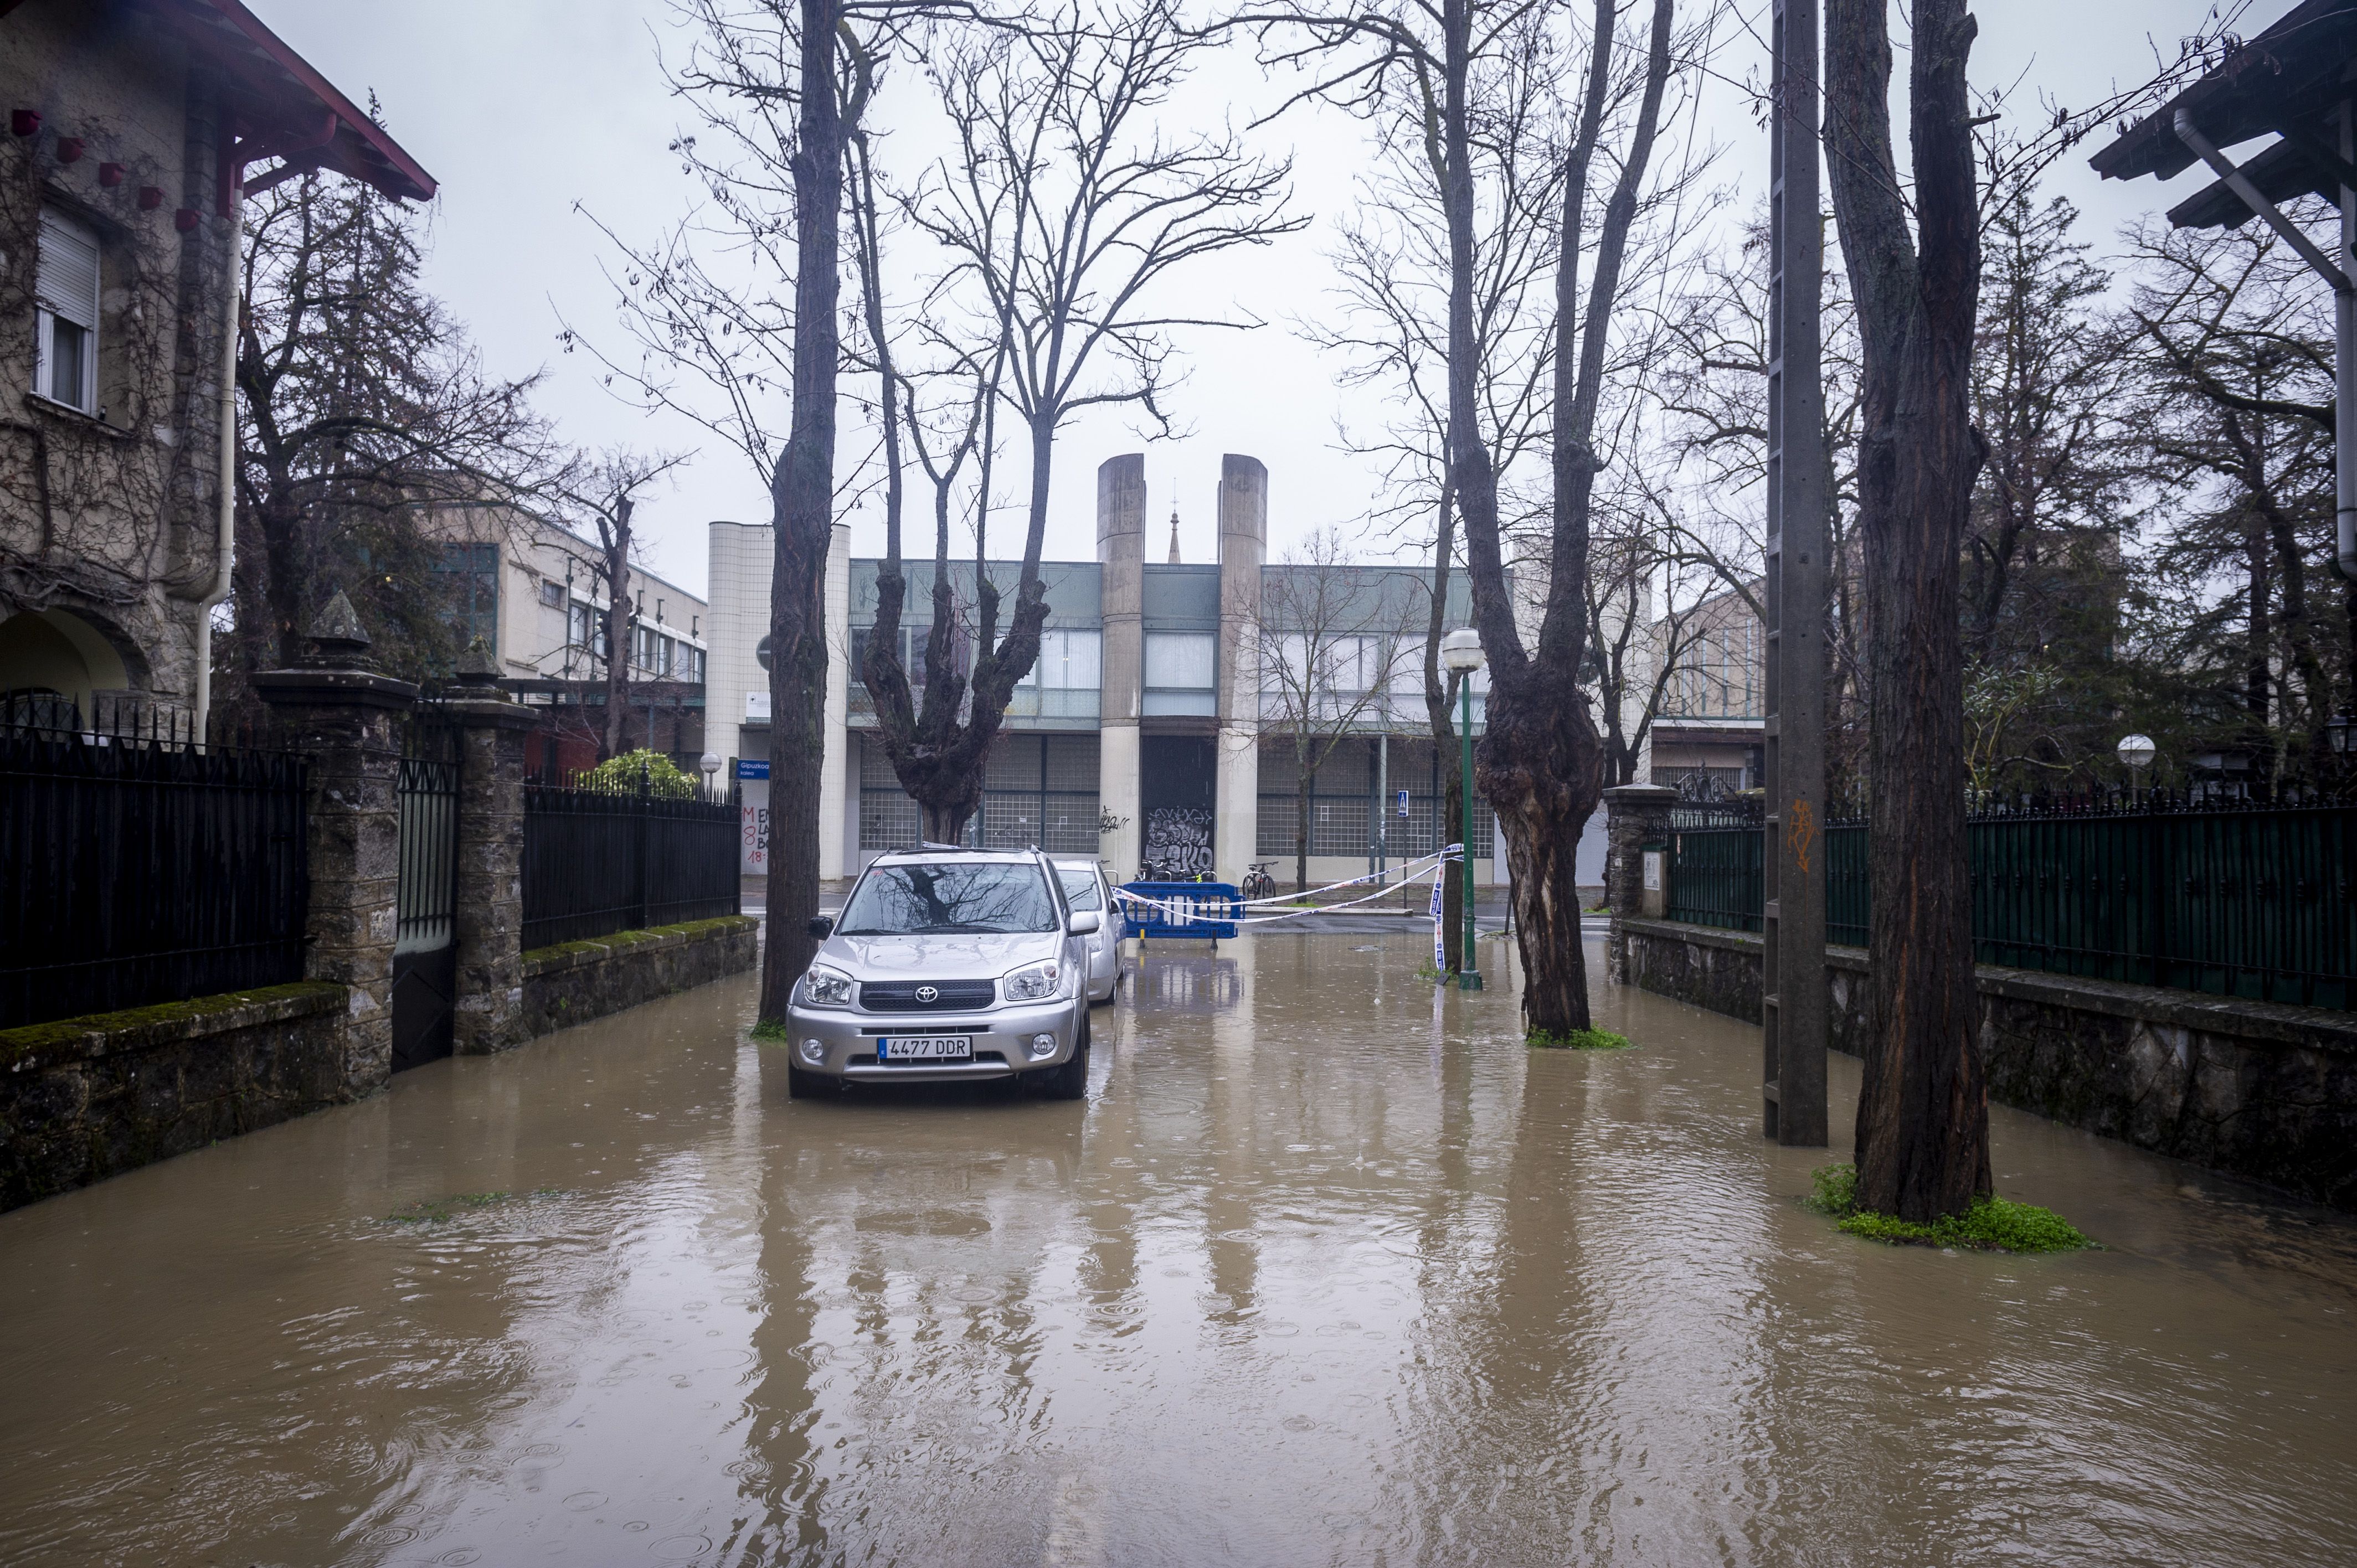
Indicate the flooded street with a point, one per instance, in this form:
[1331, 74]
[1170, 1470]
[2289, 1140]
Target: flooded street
[1323, 1270]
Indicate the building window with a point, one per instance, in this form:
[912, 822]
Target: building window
[1179, 671]
[471, 577]
[65, 368]
[1069, 661]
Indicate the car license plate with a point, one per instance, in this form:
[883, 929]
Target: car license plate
[925, 1048]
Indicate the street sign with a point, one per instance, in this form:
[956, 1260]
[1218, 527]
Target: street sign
[1403, 803]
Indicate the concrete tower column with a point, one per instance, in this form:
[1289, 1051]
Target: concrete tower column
[1121, 551]
[1243, 549]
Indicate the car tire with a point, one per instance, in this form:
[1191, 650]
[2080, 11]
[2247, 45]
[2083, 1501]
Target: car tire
[1070, 1081]
[802, 1085]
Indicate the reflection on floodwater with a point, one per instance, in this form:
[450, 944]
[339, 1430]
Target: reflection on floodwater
[1328, 1268]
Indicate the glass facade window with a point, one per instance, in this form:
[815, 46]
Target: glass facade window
[471, 576]
[1069, 661]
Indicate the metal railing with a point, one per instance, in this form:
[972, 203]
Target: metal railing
[138, 868]
[2236, 899]
[598, 860]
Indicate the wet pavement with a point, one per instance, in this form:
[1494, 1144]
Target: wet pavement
[1328, 1268]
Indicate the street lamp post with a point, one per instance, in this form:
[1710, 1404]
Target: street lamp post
[709, 764]
[1461, 650]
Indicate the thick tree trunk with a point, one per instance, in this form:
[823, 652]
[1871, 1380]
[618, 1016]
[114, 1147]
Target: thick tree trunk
[2259, 670]
[618, 619]
[1922, 1112]
[288, 569]
[803, 508]
[1541, 768]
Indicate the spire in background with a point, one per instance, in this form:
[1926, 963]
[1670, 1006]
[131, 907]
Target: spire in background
[1174, 532]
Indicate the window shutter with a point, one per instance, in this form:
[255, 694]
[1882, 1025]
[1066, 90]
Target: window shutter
[68, 281]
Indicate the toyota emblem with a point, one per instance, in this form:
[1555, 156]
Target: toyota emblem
[927, 993]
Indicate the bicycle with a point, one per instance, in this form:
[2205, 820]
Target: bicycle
[1258, 883]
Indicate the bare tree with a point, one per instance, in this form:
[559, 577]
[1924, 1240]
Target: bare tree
[1064, 213]
[1332, 642]
[604, 497]
[1392, 335]
[1428, 72]
[1540, 758]
[361, 408]
[782, 86]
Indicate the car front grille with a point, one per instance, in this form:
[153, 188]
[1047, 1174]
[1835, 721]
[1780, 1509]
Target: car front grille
[949, 995]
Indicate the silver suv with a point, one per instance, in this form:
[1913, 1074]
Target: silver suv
[947, 964]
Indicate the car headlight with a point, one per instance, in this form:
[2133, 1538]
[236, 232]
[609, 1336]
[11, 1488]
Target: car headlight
[824, 987]
[1036, 983]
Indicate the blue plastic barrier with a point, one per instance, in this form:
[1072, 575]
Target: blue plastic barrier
[1195, 910]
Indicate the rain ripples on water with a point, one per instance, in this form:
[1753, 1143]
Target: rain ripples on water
[1326, 1268]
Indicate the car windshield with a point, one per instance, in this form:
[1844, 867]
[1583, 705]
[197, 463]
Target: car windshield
[958, 896]
[1079, 888]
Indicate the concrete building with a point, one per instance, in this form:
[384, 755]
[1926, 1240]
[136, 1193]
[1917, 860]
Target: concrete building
[133, 129]
[1712, 724]
[1156, 726]
[535, 593]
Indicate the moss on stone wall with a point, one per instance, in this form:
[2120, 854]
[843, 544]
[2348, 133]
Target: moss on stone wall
[601, 947]
[63, 1033]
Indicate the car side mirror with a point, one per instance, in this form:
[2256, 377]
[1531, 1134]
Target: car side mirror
[821, 926]
[1083, 924]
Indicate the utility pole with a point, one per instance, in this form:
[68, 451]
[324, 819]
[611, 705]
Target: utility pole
[1793, 1015]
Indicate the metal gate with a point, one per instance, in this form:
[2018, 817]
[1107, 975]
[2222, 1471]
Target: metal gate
[425, 948]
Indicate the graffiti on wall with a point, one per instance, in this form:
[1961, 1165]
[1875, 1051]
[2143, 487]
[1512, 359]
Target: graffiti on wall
[1177, 842]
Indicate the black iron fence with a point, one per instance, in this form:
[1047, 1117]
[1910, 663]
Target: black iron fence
[2230, 898]
[598, 860]
[137, 867]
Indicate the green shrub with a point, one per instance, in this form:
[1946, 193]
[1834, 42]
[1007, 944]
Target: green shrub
[663, 777]
[1991, 1225]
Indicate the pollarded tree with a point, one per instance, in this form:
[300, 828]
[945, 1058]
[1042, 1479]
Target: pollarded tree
[1065, 215]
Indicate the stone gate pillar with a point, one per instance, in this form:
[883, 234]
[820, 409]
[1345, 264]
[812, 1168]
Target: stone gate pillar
[487, 1015]
[343, 716]
[1634, 816]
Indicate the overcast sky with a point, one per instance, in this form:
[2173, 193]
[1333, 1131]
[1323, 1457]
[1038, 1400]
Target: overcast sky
[522, 108]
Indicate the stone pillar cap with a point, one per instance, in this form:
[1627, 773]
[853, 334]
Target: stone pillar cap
[339, 640]
[1640, 793]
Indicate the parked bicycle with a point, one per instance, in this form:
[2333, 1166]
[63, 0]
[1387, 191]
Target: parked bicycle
[1258, 883]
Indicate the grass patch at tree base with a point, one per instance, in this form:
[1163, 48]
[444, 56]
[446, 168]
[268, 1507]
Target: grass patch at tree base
[1581, 1040]
[1991, 1225]
[775, 1031]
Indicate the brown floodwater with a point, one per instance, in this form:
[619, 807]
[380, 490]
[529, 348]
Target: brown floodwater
[1326, 1269]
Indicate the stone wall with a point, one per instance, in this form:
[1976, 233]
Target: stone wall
[2251, 1089]
[580, 980]
[83, 1099]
